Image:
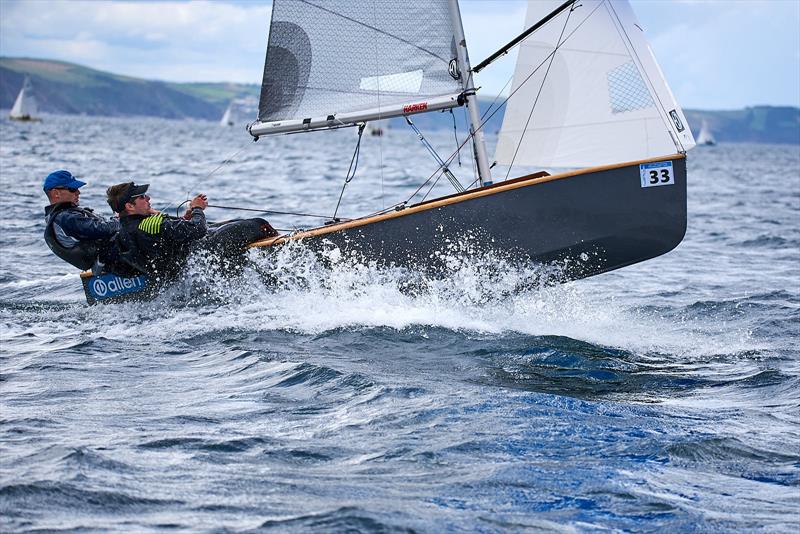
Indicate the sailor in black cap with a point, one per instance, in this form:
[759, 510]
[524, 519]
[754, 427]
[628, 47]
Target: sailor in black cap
[75, 234]
[152, 242]
[156, 244]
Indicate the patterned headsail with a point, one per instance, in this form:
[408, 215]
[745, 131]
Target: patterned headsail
[588, 91]
[355, 58]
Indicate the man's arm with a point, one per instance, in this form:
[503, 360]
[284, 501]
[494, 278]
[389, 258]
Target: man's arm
[181, 231]
[85, 227]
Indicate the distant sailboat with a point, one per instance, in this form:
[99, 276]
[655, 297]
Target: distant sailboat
[227, 117]
[25, 108]
[378, 128]
[706, 137]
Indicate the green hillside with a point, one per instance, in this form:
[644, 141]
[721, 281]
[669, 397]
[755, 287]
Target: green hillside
[760, 124]
[62, 87]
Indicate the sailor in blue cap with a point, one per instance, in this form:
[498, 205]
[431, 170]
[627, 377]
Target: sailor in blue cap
[75, 234]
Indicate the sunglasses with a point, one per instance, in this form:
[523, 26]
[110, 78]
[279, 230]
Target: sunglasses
[70, 189]
[135, 197]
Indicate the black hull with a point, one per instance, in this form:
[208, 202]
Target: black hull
[588, 222]
[585, 223]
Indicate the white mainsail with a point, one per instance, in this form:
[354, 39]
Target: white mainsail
[587, 91]
[25, 105]
[337, 62]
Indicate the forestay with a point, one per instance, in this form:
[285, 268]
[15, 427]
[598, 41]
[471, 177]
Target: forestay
[336, 62]
[587, 91]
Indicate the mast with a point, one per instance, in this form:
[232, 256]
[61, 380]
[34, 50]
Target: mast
[478, 142]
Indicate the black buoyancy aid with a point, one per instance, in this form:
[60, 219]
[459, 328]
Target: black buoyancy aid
[82, 255]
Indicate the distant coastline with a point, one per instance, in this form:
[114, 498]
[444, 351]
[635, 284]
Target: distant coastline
[68, 88]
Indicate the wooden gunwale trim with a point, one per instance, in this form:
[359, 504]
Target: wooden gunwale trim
[522, 181]
[508, 185]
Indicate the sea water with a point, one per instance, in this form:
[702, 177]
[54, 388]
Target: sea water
[344, 397]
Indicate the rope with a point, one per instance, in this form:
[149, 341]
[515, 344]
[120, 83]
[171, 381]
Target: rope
[228, 160]
[274, 212]
[353, 166]
[209, 175]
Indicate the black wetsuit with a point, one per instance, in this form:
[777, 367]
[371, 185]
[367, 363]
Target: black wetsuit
[159, 244]
[78, 236]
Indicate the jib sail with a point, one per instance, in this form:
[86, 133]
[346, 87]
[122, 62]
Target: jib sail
[587, 91]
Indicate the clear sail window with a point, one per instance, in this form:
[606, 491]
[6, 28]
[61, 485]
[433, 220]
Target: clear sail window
[627, 90]
[402, 82]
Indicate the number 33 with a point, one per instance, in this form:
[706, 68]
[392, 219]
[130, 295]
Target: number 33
[664, 176]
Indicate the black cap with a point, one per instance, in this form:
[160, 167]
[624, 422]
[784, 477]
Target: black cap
[132, 191]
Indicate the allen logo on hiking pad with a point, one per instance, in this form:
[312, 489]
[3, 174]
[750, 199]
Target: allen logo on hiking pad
[107, 286]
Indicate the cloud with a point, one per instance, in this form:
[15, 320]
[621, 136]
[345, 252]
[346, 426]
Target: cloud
[176, 41]
[715, 54]
[723, 55]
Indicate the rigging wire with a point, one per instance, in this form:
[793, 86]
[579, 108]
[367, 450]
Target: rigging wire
[425, 196]
[380, 127]
[401, 205]
[455, 135]
[469, 136]
[274, 212]
[539, 92]
[207, 176]
[442, 165]
[498, 96]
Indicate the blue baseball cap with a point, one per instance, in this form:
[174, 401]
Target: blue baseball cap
[63, 179]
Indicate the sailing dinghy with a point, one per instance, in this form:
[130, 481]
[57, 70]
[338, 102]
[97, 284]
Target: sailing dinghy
[25, 108]
[227, 117]
[706, 137]
[587, 95]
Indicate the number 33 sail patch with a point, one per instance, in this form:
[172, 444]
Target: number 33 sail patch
[658, 173]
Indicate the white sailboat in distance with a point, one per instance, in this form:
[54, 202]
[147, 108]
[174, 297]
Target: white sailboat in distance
[706, 137]
[227, 117]
[25, 108]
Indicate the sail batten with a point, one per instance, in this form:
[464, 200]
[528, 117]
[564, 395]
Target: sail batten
[600, 95]
[350, 57]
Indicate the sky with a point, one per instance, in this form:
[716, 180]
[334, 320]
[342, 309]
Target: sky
[716, 54]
